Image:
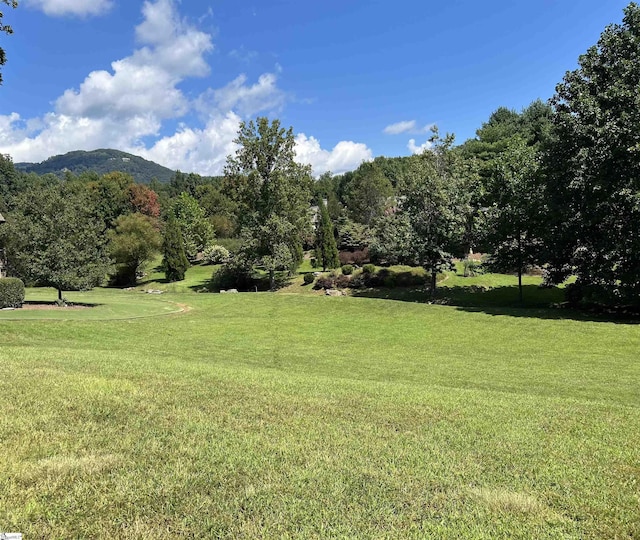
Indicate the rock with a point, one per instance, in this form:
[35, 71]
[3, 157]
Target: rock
[154, 291]
[333, 292]
[317, 274]
[233, 291]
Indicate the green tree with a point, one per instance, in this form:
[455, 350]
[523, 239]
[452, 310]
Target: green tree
[174, 261]
[54, 238]
[436, 198]
[367, 194]
[7, 30]
[269, 187]
[326, 250]
[514, 218]
[132, 244]
[593, 166]
[197, 231]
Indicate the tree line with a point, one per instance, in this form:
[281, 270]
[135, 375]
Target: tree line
[556, 185]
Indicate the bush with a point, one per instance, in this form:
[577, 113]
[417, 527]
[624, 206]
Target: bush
[471, 267]
[309, 279]
[354, 257]
[11, 293]
[325, 282]
[216, 254]
[342, 282]
[233, 275]
[369, 269]
[347, 270]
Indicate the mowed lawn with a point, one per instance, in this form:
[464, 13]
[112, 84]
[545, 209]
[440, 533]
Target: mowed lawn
[301, 416]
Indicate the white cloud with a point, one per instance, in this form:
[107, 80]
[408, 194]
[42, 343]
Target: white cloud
[126, 106]
[345, 156]
[418, 149]
[406, 126]
[80, 8]
[400, 127]
[249, 100]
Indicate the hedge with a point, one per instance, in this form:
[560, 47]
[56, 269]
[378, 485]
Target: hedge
[11, 293]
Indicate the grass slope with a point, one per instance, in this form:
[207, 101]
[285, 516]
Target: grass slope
[280, 415]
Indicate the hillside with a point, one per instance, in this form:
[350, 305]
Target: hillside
[101, 161]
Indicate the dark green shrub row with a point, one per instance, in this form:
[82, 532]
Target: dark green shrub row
[11, 293]
[309, 278]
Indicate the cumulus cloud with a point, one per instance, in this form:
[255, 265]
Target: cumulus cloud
[127, 106]
[80, 8]
[345, 156]
[418, 149]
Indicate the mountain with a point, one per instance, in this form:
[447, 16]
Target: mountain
[101, 161]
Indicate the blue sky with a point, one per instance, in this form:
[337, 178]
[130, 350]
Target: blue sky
[171, 80]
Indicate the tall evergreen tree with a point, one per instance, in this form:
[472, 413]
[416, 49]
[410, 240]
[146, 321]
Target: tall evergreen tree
[326, 249]
[174, 260]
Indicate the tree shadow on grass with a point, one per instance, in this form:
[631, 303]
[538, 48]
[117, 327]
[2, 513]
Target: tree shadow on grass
[258, 283]
[538, 303]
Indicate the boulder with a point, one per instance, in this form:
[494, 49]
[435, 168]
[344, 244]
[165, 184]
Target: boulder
[333, 292]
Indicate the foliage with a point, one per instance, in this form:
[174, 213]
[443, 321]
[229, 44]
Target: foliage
[369, 269]
[471, 267]
[368, 193]
[174, 261]
[515, 217]
[326, 252]
[273, 194]
[352, 236]
[144, 200]
[197, 231]
[308, 278]
[7, 30]
[436, 201]
[354, 257]
[235, 274]
[593, 165]
[216, 254]
[11, 293]
[53, 237]
[132, 244]
[111, 196]
[393, 239]
[347, 269]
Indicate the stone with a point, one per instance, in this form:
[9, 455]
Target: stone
[333, 292]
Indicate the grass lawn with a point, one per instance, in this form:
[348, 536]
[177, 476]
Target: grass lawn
[292, 415]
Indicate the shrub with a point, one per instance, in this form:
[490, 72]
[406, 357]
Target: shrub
[369, 269]
[11, 293]
[216, 254]
[347, 270]
[471, 267]
[358, 281]
[354, 257]
[325, 282]
[233, 275]
[309, 279]
[342, 282]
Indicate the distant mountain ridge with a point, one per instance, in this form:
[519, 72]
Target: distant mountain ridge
[101, 161]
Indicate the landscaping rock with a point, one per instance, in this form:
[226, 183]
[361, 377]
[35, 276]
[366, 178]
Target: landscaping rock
[333, 292]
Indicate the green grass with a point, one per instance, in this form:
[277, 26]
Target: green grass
[283, 415]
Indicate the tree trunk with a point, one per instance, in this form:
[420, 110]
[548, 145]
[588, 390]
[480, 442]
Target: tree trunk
[272, 280]
[59, 294]
[433, 284]
[520, 267]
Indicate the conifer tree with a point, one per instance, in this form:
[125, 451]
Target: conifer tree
[326, 250]
[175, 261]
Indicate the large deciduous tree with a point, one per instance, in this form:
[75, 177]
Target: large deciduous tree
[514, 217]
[54, 237]
[197, 231]
[270, 188]
[593, 166]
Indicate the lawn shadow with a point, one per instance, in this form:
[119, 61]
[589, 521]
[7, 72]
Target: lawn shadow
[258, 283]
[538, 303]
[54, 304]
